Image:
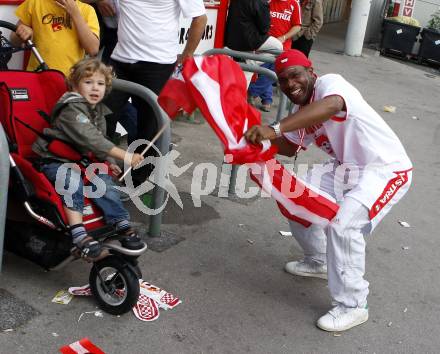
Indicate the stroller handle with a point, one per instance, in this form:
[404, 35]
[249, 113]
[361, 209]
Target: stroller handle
[8, 25]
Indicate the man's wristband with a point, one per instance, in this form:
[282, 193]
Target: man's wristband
[277, 129]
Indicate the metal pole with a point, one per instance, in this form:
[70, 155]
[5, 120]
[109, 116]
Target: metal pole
[282, 107]
[232, 180]
[163, 144]
[4, 182]
[265, 56]
[357, 26]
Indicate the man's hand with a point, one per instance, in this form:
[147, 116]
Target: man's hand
[195, 33]
[258, 133]
[24, 32]
[106, 8]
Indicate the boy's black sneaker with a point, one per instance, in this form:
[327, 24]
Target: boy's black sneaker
[131, 239]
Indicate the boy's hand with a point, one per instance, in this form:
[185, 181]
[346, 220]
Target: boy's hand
[136, 159]
[24, 32]
[69, 5]
[115, 170]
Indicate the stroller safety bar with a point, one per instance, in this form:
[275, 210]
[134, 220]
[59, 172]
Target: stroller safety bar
[123, 250]
[38, 217]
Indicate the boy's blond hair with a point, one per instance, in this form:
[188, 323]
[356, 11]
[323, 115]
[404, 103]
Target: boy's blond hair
[86, 68]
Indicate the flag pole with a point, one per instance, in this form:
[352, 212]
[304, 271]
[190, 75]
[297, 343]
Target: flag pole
[157, 136]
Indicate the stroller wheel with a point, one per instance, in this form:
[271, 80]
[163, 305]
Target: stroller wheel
[115, 285]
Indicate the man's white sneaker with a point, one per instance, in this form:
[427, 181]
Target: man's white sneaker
[341, 318]
[307, 269]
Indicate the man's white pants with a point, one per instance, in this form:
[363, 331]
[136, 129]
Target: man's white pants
[341, 245]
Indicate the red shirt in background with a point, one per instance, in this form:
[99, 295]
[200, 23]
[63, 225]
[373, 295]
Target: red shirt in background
[284, 14]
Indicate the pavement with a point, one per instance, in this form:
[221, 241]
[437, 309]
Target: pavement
[227, 265]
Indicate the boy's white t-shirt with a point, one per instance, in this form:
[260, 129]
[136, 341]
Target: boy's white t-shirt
[358, 138]
[148, 29]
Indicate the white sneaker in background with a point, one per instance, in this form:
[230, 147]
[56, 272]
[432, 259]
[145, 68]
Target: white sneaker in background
[304, 269]
[341, 318]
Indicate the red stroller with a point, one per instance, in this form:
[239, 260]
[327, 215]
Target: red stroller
[36, 226]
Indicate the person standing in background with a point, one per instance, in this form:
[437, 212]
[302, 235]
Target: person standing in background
[108, 14]
[64, 31]
[285, 23]
[146, 53]
[247, 28]
[312, 18]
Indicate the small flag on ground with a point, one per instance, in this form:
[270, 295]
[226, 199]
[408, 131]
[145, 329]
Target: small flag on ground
[83, 346]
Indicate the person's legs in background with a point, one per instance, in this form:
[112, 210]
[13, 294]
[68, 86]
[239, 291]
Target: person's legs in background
[128, 119]
[153, 76]
[116, 100]
[303, 44]
[263, 88]
[108, 42]
[266, 95]
[127, 115]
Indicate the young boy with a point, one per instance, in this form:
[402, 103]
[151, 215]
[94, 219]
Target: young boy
[78, 118]
[62, 30]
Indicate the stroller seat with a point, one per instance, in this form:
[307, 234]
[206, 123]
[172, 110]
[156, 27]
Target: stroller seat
[26, 98]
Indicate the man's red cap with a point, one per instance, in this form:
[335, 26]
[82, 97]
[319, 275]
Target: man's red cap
[291, 57]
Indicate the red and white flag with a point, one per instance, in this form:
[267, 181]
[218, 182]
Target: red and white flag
[217, 86]
[175, 97]
[83, 346]
[297, 200]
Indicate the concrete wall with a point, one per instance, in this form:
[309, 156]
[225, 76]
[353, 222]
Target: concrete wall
[423, 10]
[372, 34]
[336, 10]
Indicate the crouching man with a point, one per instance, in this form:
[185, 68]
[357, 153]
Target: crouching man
[333, 115]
